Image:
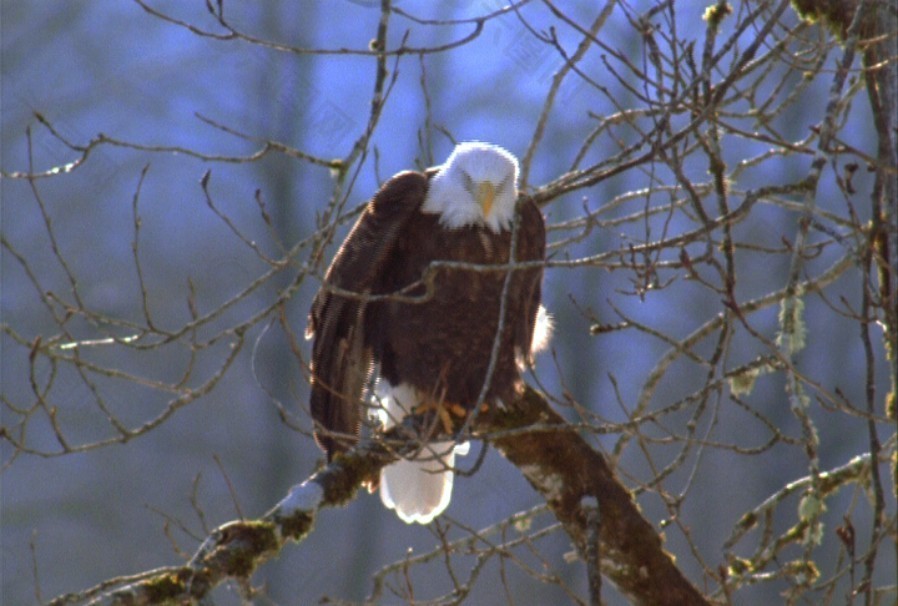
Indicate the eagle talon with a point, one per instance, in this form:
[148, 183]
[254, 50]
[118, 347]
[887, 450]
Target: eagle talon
[443, 410]
[458, 410]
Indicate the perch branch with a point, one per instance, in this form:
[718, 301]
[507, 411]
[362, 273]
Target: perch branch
[560, 465]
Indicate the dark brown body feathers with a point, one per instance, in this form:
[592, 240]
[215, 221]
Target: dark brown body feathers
[441, 345]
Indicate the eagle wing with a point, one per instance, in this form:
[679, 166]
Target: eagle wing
[342, 357]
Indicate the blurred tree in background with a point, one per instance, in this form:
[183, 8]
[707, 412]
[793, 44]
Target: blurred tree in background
[720, 186]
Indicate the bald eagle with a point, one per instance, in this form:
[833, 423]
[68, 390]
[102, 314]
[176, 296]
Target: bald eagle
[432, 342]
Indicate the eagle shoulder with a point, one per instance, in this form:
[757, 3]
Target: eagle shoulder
[362, 255]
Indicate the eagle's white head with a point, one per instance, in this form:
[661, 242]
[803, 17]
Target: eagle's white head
[477, 185]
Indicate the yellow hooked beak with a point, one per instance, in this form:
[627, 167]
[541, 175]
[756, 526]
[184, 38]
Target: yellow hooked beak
[486, 193]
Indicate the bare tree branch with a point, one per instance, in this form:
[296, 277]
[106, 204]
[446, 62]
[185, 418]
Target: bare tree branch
[575, 481]
[721, 195]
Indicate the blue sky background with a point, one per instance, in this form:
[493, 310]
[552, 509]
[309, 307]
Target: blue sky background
[112, 68]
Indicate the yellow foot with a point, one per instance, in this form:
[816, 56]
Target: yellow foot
[444, 411]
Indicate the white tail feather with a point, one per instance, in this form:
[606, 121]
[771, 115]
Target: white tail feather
[418, 489]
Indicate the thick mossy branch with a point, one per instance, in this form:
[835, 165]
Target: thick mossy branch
[236, 549]
[836, 15]
[572, 477]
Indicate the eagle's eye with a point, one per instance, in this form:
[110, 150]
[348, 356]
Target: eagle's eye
[506, 183]
[469, 182]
